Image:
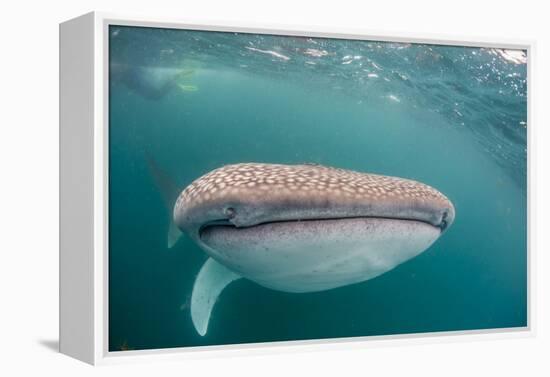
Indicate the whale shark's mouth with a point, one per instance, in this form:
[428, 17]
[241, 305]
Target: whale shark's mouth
[208, 229]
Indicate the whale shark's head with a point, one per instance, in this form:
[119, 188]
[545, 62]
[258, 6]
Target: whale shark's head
[310, 227]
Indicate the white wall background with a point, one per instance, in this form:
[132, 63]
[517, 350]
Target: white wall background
[29, 188]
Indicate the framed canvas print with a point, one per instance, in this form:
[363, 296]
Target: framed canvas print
[226, 187]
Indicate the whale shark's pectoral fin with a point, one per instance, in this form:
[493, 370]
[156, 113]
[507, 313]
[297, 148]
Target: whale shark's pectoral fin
[211, 281]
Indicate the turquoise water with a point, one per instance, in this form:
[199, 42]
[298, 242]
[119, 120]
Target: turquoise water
[452, 117]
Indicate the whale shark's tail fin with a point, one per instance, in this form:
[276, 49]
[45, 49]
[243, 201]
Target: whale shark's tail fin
[210, 282]
[170, 192]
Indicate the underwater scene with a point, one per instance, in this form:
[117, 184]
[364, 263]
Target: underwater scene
[268, 188]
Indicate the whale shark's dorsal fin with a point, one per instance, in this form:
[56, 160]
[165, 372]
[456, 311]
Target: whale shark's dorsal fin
[211, 281]
[169, 191]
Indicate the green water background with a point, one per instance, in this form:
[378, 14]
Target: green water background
[253, 106]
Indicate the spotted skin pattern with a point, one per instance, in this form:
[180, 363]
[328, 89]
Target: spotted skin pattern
[248, 194]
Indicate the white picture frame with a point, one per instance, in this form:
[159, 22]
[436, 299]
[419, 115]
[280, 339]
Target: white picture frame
[84, 189]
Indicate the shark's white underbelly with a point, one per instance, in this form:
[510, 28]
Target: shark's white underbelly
[317, 255]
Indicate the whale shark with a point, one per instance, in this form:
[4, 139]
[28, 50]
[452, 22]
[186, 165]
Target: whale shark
[301, 228]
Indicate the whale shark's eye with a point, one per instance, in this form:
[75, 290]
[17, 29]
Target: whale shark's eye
[229, 212]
